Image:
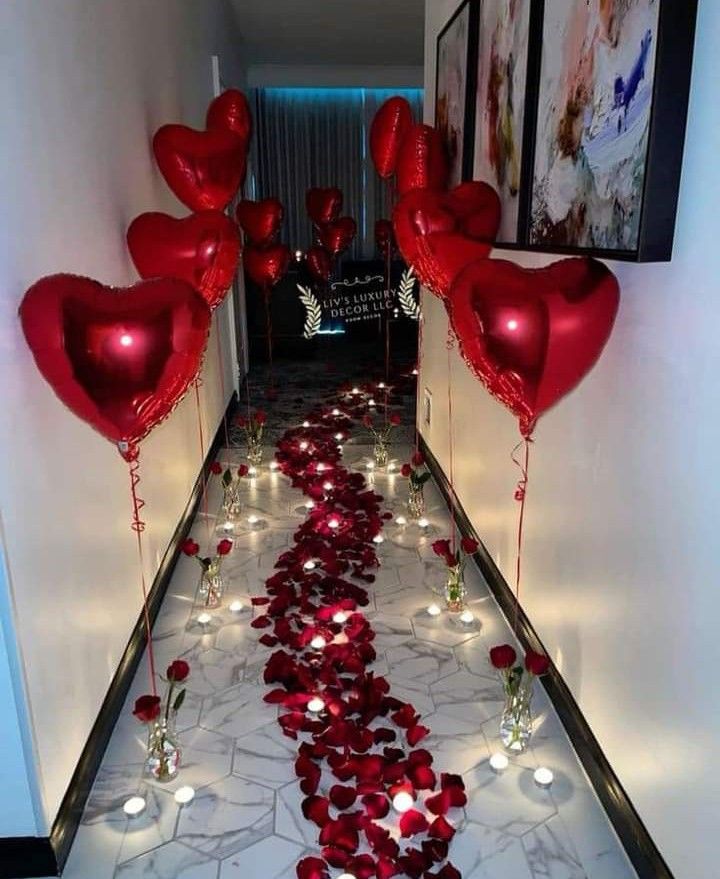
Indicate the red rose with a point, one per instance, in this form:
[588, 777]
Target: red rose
[469, 545]
[418, 459]
[442, 549]
[178, 670]
[241, 421]
[536, 663]
[243, 470]
[147, 708]
[405, 470]
[224, 547]
[189, 547]
[367, 420]
[503, 656]
[216, 467]
[260, 417]
[395, 420]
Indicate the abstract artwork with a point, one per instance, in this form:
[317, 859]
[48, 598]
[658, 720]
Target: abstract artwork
[595, 104]
[451, 89]
[500, 104]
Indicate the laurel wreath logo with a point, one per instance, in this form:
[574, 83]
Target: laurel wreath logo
[313, 312]
[408, 303]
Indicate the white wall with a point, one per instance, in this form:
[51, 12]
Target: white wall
[83, 87]
[620, 559]
[331, 76]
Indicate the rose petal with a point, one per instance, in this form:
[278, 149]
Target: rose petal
[412, 822]
[312, 868]
[342, 797]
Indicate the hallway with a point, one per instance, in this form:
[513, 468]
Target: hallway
[246, 819]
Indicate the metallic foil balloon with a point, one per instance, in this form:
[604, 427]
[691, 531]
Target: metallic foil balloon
[422, 162]
[337, 236]
[319, 263]
[389, 126]
[323, 205]
[230, 111]
[439, 233]
[532, 335]
[203, 168]
[120, 359]
[260, 220]
[265, 266]
[385, 237]
[202, 249]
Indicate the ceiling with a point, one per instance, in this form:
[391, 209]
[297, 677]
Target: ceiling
[337, 32]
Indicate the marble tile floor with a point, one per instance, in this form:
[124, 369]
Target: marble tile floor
[245, 821]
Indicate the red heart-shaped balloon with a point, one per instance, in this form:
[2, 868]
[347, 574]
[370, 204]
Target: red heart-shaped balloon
[531, 335]
[202, 249]
[230, 111]
[120, 359]
[439, 233]
[323, 205]
[266, 266]
[389, 126]
[422, 161]
[337, 236]
[319, 263]
[260, 220]
[203, 168]
[384, 237]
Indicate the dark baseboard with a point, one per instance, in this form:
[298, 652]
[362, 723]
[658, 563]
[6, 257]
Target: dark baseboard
[30, 856]
[634, 836]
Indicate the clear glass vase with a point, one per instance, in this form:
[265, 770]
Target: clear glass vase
[455, 591]
[231, 506]
[416, 501]
[381, 452]
[212, 585]
[163, 750]
[516, 720]
[254, 451]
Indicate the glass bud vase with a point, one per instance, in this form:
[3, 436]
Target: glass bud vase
[380, 452]
[231, 505]
[163, 751]
[212, 585]
[416, 501]
[455, 591]
[254, 452]
[516, 721]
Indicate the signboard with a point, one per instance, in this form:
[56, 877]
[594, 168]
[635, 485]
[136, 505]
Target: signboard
[356, 299]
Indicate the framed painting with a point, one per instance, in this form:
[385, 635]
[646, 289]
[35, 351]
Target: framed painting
[454, 86]
[611, 94]
[503, 57]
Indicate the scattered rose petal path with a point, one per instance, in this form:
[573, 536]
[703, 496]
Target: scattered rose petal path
[358, 744]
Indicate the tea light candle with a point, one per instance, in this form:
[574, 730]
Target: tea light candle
[318, 642]
[309, 505]
[236, 606]
[252, 472]
[316, 705]
[401, 520]
[414, 372]
[543, 777]
[434, 610]
[370, 465]
[355, 391]
[499, 762]
[340, 617]
[467, 617]
[381, 385]
[327, 486]
[306, 424]
[134, 806]
[346, 876]
[228, 526]
[339, 436]
[253, 519]
[423, 523]
[378, 538]
[321, 467]
[403, 802]
[335, 412]
[204, 618]
[303, 445]
[274, 465]
[333, 523]
[184, 795]
[309, 565]
[391, 466]
[371, 402]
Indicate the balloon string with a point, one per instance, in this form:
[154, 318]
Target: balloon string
[388, 264]
[449, 346]
[201, 436]
[138, 526]
[269, 331]
[221, 371]
[417, 377]
[520, 492]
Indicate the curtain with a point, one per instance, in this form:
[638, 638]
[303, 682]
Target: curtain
[319, 137]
